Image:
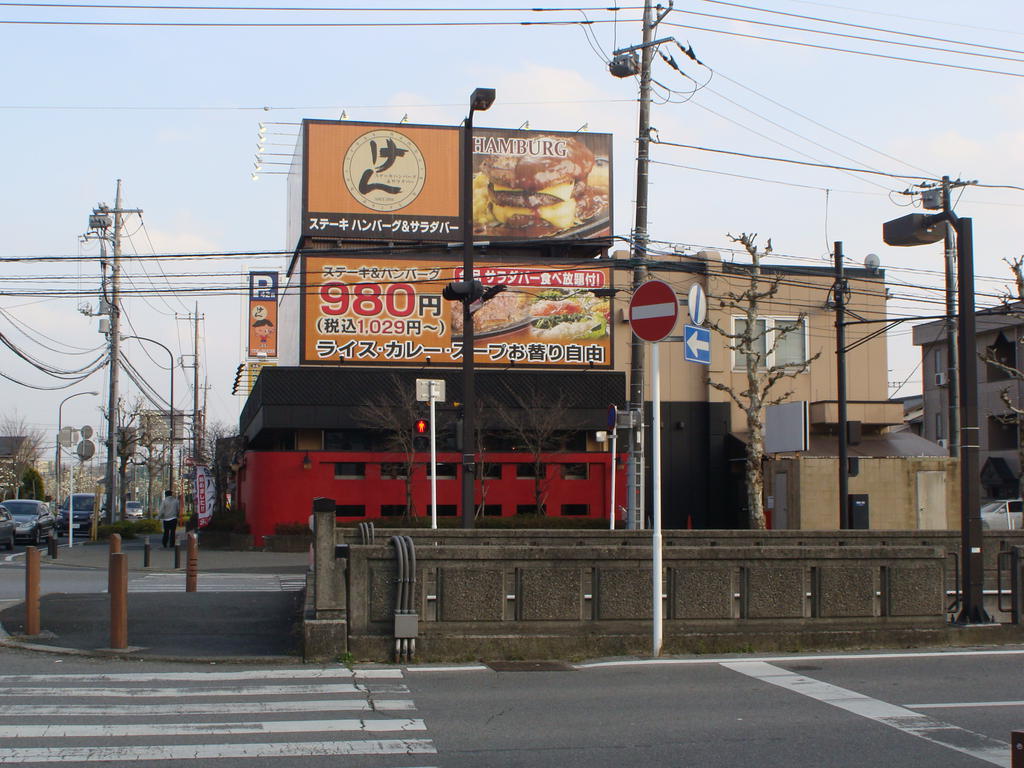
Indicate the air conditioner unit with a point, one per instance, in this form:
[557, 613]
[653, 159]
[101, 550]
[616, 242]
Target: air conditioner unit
[941, 379]
[943, 442]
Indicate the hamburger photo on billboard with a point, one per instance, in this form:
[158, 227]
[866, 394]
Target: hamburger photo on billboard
[537, 185]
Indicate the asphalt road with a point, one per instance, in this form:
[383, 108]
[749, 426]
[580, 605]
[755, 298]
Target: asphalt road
[950, 709]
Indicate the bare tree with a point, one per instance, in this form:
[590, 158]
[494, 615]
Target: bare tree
[532, 418]
[392, 412]
[129, 432]
[23, 443]
[755, 344]
[1011, 366]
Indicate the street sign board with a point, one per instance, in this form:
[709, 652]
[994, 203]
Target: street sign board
[423, 390]
[697, 304]
[653, 310]
[86, 450]
[613, 417]
[697, 344]
[86, 432]
[68, 436]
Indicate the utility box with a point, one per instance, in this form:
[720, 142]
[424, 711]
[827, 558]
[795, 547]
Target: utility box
[857, 509]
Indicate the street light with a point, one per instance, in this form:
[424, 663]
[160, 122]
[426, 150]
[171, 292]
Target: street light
[481, 100]
[919, 229]
[60, 423]
[170, 417]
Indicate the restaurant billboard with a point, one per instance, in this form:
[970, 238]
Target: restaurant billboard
[262, 317]
[382, 310]
[386, 181]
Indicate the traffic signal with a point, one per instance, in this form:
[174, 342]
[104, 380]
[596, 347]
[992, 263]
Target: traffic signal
[238, 379]
[421, 435]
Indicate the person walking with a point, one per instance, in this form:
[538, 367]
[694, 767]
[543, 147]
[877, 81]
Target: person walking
[168, 513]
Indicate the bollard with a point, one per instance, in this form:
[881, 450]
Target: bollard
[192, 565]
[147, 552]
[118, 601]
[32, 591]
[177, 555]
[115, 543]
[1017, 749]
[52, 548]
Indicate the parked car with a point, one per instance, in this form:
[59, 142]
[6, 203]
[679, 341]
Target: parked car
[1002, 515]
[7, 526]
[35, 522]
[83, 507]
[133, 510]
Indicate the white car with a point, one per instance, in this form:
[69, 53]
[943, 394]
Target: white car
[1002, 515]
[133, 510]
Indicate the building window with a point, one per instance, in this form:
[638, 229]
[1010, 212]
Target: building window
[1004, 351]
[444, 510]
[392, 510]
[777, 341]
[574, 471]
[492, 471]
[445, 470]
[349, 510]
[349, 470]
[392, 470]
[492, 510]
[527, 470]
[575, 510]
[1002, 436]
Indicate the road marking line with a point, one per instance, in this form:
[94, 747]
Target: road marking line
[966, 705]
[206, 708]
[61, 731]
[961, 740]
[187, 693]
[336, 673]
[208, 751]
[460, 668]
[800, 657]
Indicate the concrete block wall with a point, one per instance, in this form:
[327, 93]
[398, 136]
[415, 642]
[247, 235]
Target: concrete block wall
[504, 599]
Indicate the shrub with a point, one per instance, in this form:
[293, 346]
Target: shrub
[292, 529]
[129, 529]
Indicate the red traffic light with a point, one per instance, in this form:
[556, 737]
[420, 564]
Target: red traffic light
[421, 427]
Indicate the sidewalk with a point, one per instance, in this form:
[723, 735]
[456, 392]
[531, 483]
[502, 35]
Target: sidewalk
[235, 626]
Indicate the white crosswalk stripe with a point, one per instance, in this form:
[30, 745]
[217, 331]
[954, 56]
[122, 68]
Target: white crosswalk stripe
[219, 582]
[289, 713]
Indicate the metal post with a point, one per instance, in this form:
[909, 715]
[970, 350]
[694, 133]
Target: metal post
[433, 459]
[147, 553]
[192, 565]
[32, 591]
[177, 553]
[973, 573]
[118, 581]
[952, 384]
[839, 299]
[611, 504]
[656, 500]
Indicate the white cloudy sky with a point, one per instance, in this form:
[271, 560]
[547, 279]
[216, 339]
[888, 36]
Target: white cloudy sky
[174, 112]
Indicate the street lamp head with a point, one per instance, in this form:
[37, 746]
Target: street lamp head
[481, 99]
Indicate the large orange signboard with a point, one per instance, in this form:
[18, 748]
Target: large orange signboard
[378, 310]
[384, 181]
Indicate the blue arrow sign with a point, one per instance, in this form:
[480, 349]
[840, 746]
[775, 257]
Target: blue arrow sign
[697, 344]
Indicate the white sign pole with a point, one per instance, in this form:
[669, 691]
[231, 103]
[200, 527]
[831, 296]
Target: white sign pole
[611, 513]
[71, 508]
[433, 462]
[656, 498]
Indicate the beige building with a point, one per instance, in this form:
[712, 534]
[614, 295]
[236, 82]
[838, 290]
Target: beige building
[909, 481]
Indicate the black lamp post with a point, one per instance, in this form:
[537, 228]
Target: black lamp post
[920, 229]
[481, 100]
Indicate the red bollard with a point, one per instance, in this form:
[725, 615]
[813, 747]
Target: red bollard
[192, 564]
[115, 543]
[32, 591]
[118, 601]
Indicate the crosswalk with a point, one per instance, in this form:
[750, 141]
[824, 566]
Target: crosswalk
[219, 582]
[179, 716]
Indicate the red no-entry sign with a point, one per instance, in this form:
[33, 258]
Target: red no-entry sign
[653, 310]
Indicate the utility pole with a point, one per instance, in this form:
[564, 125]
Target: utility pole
[952, 367]
[197, 427]
[624, 65]
[839, 290]
[97, 221]
[935, 197]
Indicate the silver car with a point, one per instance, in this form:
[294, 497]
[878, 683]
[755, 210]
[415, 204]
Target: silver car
[35, 522]
[7, 526]
[1002, 515]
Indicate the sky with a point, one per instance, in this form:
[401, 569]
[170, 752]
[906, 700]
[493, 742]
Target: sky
[175, 113]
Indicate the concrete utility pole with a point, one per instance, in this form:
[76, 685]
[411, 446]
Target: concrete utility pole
[952, 351]
[624, 65]
[114, 310]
